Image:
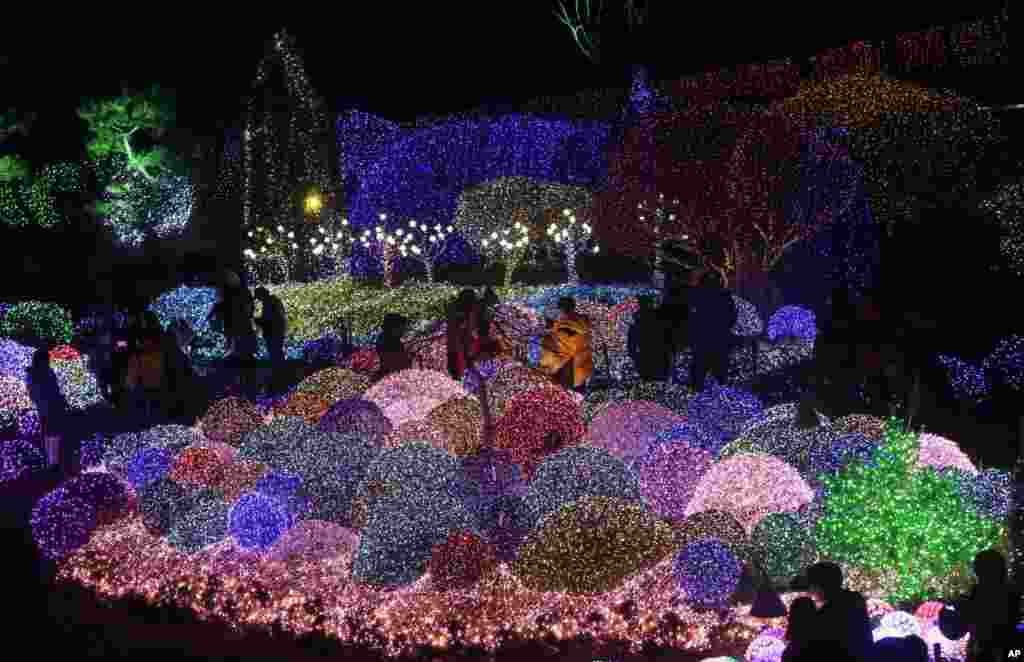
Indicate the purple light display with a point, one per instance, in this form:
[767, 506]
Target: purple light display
[420, 174]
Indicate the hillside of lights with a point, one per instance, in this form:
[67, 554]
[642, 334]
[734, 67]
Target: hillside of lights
[362, 512]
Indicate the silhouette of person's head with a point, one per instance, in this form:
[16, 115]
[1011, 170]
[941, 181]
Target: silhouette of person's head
[801, 620]
[41, 359]
[262, 293]
[394, 325]
[567, 305]
[825, 579]
[990, 567]
[711, 278]
[901, 649]
[490, 298]
[646, 302]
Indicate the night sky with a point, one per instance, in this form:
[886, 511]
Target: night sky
[404, 59]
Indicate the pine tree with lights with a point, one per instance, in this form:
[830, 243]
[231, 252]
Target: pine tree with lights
[287, 158]
[573, 238]
[889, 518]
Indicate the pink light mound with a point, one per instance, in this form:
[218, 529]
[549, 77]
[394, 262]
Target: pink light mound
[939, 452]
[750, 486]
[411, 394]
[625, 429]
[314, 540]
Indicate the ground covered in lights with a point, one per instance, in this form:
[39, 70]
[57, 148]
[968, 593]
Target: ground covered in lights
[636, 513]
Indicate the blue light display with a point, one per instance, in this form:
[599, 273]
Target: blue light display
[421, 173]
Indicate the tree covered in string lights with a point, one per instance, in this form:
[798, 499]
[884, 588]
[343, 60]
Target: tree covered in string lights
[1006, 205]
[919, 147]
[287, 158]
[585, 25]
[508, 247]
[726, 184]
[425, 245]
[383, 245]
[573, 238]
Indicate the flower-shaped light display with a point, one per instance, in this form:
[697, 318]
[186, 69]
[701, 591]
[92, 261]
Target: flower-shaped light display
[230, 419]
[356, 416]
[793, 322]
[708, 572]
[410, 395]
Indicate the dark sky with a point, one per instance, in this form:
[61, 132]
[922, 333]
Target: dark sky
[403, 59]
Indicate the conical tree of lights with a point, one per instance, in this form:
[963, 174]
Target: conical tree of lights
[884, 514]
[284, 156]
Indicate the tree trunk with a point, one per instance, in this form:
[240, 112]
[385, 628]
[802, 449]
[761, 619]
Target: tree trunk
[509, 266]
[570, 264]
[430, 272]
[389, 266]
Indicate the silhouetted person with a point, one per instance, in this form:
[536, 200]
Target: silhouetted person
[820, 650]
[650, 342]
[900, 649]
[274, 324]
[44, 391]
[178, 373]
[843, 617]
[833, 370]
[712, 316]
[802, 628]
[234, 312]
[462, 332]
[991, 610]
[390, 349]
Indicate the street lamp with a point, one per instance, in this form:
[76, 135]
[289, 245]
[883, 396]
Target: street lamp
[314, 203]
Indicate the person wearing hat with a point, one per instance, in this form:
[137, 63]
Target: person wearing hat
[566, 353]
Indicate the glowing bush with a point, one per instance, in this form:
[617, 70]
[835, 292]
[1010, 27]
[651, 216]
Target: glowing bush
[869, 426]
[204, 523]
[939, 452]
[793, 321]
[240, 478]
[38, 321]
[765, 648]
[460, 561]
[537, 423]
[106, 494]
[256, 521]
[230, 419]
[723, 411]
[410, 394]
[121, 449]
[331, 468]
[410, 469]
[784, 546]
[199, 466]
[714, 524]
[15, 359]
[275, 442]
[193, 304]
[363, 361]
[508, 383]
[162, 503]
[626, 429]
[968, 381]
[831, 458]
[334, 384]
[785, 441]
[461, 422]
[886, 515]
[1006, 362]
[668, 473]
[149, 465]
[400, 536]
[591, 546]
[14, 394]
[310, 406]
[314, 540]
[748, 320]
[19, 459]
[416, 432]
[989, 492]
[356, 416]
[750, 486]
[708, 572]
[575, 473]
[61, 523]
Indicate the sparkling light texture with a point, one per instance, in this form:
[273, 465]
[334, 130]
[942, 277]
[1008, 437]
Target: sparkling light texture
[20, 459]
[149, 465]
[939, 452]
[897, 624]
[668, 473]
[748, 320]
[785, 547]
[955, 651]
[591, 546]
[256, 521]
[333, 384]
[969, 381]
[537, 423]
[708, 572]
[792, 322]
[575, 473]
[886, 515]
[750, 486]
[356, 416]
[512, 381]
[723, 411]
[38, 320]
[15, 358]
[230, 419]
[410, 395]
[626, 429]
[202, 524]
[110, 497]
[61, 523]
[1006, 362]
[460, 421]
[716, 524]
[765, 649]
[460, 561]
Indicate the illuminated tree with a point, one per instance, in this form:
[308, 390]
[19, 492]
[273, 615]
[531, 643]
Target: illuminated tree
[1007, 206]
[424, 244]
[884, 515]
[287, 145]
[585, 25]
[573, 238]
[507, 247]
[384, 245]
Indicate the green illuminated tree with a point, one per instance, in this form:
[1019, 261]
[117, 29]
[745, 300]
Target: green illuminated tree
[886, 517]
[126, 123]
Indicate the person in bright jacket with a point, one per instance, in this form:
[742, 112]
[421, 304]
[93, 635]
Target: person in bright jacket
[567, 352]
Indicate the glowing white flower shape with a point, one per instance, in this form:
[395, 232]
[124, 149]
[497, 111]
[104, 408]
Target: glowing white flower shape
[898, 624]
[765, 649]
[750, 486]
[939, 452]
[748, 321]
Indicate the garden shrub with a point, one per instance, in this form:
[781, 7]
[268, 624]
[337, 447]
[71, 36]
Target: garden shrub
[37, 321]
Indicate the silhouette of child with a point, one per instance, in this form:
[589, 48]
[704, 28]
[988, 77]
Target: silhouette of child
[44, 390]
